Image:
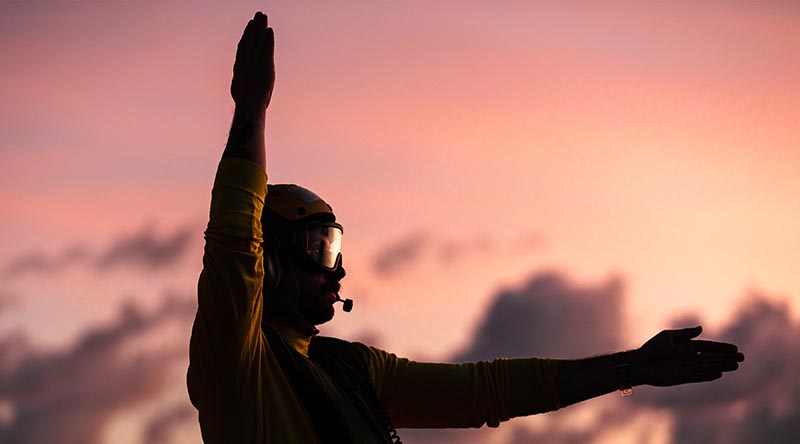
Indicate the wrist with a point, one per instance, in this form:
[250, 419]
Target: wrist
[625, 371]
[251, 110]
[632, 358]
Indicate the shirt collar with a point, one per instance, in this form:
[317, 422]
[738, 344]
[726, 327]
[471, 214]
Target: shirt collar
[295, 339]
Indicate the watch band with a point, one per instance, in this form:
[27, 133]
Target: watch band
[622, 373]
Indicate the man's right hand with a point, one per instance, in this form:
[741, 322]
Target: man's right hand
[254, 68]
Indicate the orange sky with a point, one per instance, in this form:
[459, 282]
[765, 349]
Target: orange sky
[657, 143]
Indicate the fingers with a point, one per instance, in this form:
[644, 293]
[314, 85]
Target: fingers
[245, 41]
[254, 36]
[697, 346]
[719, 362]
[260, 24]
[714, 347]
[720, 357]
[710, 363]
[684, 334]
[267, 56]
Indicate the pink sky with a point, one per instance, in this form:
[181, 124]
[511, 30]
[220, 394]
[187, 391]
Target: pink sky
[655, 143]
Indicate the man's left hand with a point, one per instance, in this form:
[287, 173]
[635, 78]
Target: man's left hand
[674, 357]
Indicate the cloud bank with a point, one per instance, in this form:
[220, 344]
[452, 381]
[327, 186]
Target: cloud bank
[70, 396]
[552, 316]
[44, 394]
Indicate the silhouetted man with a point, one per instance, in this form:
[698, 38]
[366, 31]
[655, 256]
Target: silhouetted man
[259, 373]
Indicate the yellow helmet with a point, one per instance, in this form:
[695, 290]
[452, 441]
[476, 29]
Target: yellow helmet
[300, 221]
[295, 204]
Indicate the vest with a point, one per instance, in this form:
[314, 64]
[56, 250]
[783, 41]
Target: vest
[335, 389]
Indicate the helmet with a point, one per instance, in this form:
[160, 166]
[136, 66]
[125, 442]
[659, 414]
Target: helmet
[301, 222]
[295, 203]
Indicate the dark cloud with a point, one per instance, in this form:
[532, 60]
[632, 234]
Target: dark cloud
[399, 255]
[69, 396]
[758, 403]
[144, 249]
[550, 316]
[38, 262]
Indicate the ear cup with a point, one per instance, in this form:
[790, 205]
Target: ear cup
[272, 266]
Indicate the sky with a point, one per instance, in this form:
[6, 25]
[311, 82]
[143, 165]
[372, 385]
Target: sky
[526, 179]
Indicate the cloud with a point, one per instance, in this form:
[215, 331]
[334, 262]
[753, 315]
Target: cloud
[160, 428]
[38, 262]
[144, 249]
[401, 255]
[69, 396]
[562, 429]
[7, 300]
[451, 251]
[550, 316]
[758, 403]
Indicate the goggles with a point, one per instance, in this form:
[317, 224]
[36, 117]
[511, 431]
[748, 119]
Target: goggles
[320, 243]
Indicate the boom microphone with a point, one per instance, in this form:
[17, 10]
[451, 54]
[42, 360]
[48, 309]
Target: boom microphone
[347, 303]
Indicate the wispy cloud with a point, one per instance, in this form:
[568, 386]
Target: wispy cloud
[39, 262]
[403, 254]
[397, 256]
[145, 249]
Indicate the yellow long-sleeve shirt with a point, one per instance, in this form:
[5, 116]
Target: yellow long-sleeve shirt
[243, 395]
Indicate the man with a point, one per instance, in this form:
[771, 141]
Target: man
[259, 372]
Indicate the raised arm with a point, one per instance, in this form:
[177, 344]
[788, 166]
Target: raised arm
[251, 89]
[672, 357]
[226, 347]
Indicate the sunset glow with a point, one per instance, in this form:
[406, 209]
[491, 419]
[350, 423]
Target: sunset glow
[647, 151]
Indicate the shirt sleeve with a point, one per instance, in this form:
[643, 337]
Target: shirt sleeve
[435, 395]
[226, 337]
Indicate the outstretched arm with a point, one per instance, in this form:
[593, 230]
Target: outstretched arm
[672, 357]
[251, 89]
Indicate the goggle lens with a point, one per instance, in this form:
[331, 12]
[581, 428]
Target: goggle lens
[324, 245]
